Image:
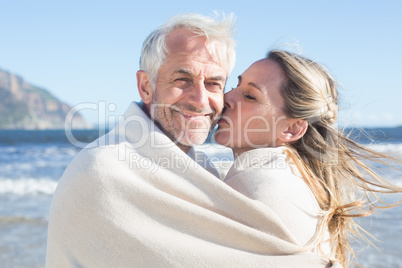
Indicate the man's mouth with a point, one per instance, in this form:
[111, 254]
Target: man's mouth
[189, 115]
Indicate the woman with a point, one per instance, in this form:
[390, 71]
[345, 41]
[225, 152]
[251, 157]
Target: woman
[279, 122]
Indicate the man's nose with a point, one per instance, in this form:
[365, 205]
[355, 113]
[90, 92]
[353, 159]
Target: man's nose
[199, 96]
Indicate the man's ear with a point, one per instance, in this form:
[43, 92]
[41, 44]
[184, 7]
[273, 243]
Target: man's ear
[296, 129]
[144, 86]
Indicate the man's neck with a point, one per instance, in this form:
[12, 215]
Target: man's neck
[184, 148]
[145, 110]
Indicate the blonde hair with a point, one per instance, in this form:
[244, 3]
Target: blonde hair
[335, 167]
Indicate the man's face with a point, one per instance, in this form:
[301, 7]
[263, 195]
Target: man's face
[189, 90]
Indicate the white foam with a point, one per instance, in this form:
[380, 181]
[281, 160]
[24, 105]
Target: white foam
[395, 181]
[387, 147]
[27, 186]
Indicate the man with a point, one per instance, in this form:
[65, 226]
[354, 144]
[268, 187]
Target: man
[186, 91]
[183, 94]
[140, 196]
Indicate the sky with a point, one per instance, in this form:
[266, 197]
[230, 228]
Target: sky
[87, 53]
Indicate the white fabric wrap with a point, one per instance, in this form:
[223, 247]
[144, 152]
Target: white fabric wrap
[134, 199]
[268, 175]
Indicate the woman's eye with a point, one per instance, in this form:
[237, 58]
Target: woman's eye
[247, 96]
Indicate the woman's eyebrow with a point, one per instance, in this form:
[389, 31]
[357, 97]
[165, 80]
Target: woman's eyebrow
[250, 83]
[254, 85]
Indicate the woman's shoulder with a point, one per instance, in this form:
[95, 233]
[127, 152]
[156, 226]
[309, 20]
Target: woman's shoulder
[262, 158]
[277, 186]
[267, 171]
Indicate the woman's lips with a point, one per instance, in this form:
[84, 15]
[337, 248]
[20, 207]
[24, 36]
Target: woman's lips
[223, 121]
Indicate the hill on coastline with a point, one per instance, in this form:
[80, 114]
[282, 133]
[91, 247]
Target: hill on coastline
[25, 106]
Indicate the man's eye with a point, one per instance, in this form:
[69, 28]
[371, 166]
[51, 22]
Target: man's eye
[213, 86]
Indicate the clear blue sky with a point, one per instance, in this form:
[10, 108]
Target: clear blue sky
[88, 51]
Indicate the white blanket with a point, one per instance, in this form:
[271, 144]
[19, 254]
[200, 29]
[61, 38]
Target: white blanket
[133, 199]
[270, 176]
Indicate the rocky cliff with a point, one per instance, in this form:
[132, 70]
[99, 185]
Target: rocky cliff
[25, 106]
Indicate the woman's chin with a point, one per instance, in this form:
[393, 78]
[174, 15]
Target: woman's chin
[222, 139]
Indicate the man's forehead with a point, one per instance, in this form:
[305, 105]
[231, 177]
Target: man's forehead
[180, 40]
[182, 43]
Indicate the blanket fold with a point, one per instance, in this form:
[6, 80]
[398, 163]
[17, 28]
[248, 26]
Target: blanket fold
[134, 199]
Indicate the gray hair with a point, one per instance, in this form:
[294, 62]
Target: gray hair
[221, 31]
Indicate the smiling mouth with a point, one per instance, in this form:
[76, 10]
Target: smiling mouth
[193, 115]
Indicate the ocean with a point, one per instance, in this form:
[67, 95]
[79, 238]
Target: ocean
[32, 162]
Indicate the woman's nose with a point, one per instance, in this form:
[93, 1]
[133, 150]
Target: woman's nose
[228, 100]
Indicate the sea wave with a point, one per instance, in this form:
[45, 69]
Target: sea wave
[21, 219]
[387, 147]
[27, 186]
[30, 166]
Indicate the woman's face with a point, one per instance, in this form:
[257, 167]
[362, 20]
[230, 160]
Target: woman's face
[253, 116]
